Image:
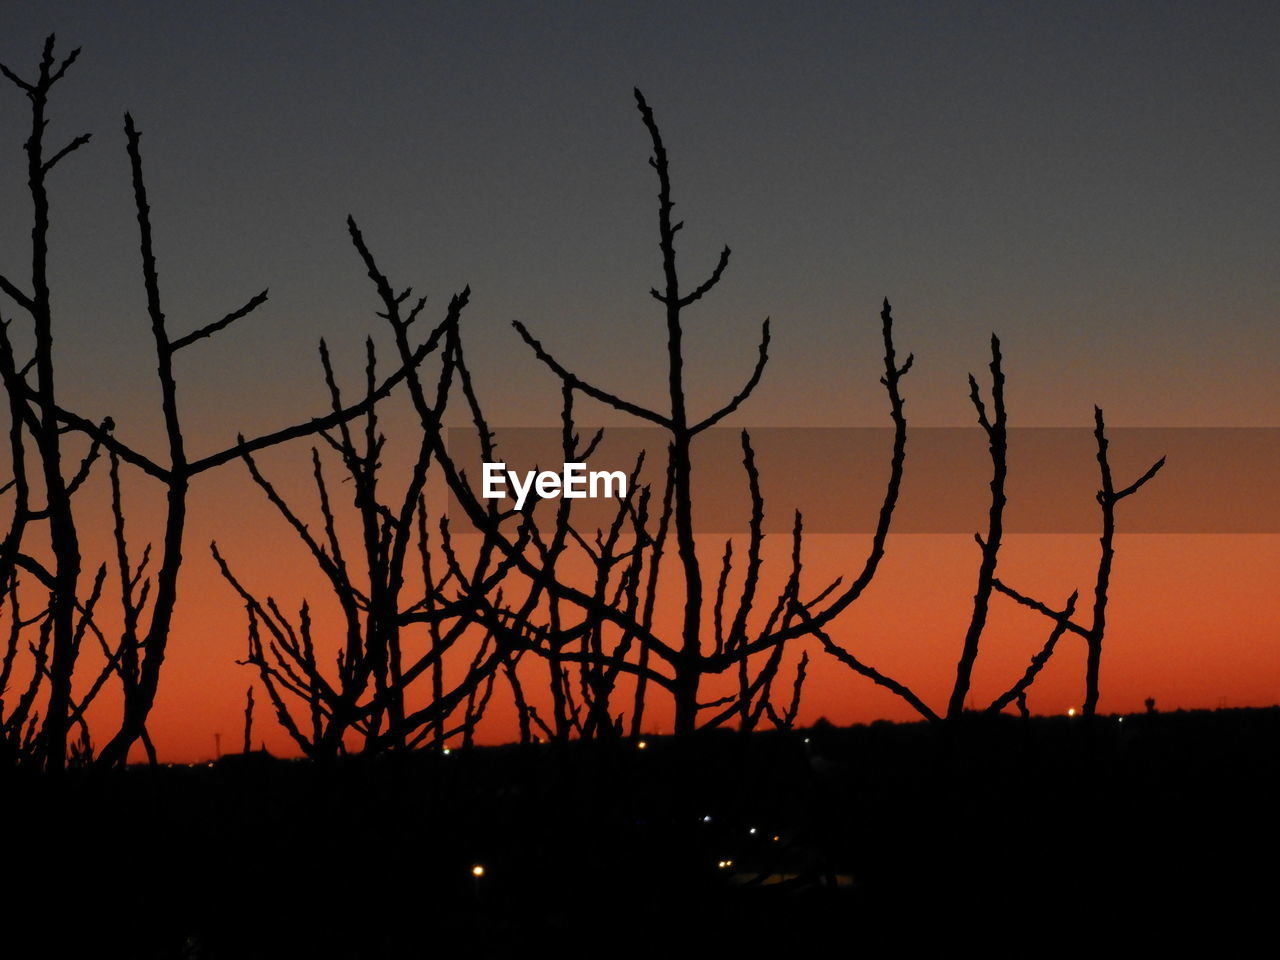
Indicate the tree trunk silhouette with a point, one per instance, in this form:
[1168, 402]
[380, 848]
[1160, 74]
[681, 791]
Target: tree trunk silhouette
[995, 427]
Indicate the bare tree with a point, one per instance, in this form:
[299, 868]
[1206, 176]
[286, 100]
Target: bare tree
[994, 423]
[374, 668]
[38, 419]
[36, 408]
[1108, 498]
[685, 659]
[678, 666]
[514, 599]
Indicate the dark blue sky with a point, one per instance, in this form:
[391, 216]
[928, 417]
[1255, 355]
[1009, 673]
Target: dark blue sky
[1095, 181]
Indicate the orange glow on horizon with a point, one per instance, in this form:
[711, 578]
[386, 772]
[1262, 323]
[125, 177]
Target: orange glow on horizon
[1192, 622]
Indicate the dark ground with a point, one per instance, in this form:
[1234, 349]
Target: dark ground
[1003, 837]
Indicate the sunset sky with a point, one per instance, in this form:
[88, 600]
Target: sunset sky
[1095, 182]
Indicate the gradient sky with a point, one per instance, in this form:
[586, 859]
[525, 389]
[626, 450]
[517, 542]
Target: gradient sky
[1094, 181]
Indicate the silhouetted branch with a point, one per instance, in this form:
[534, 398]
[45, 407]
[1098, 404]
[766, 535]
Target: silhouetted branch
[16, 295]
[751, 580]
[86, 464]
[248, 719]
[711, 281]
[1107, 500]
[210, 329]
[998, 444]
[1093, 635]
[1033, 604]
[71, 147]
[745, 392]
[318, 424]
[872, 674]
[893, 374]
[1018, 691]
[788, 720]
[577, 383]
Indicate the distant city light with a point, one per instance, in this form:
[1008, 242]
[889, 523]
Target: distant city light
[641, 745]
[477, 871]
[446, 751]
[725, 864]
[1071, 712]
[753, 831]
[707, 818]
